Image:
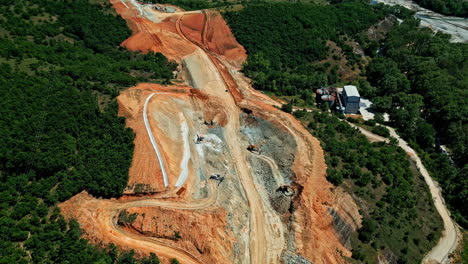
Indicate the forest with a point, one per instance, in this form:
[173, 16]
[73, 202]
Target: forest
[60, 69]
[421, 80]
[286, 41]
[447, 7]
[416, 76]
[399, 216]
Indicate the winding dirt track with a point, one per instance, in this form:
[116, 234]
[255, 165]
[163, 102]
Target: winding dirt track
[448, 242]
[108, 220]
[153, 140]
[274, 168]
[266, 234]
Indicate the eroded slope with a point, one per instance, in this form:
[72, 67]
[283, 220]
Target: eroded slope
[262, 208]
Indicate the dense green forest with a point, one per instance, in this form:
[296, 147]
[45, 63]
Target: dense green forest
[60, 70]
[399, 214]
[416, 76]
[446, 7]
[421, 80]
[193, 4]
[286, 41]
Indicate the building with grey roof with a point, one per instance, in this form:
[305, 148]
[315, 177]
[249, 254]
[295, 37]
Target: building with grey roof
[351, 99]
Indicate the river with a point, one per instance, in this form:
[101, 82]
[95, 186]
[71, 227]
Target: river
[457, 27]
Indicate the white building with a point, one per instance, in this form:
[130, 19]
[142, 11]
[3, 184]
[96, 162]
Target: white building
[351, 99]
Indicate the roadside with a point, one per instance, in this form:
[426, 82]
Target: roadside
[451, 234]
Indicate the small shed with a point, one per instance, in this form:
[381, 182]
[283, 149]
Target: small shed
[351, 99]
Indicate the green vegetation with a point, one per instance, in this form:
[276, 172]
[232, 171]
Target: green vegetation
[60, 70]
[286, 41]
[421, 80]
[219, 4]
[418, 78]
[446, 7]
[177, 235]
[400, 215]
[126, 219]
[190, 4]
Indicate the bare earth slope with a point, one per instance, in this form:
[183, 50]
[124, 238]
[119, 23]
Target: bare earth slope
[270, 208]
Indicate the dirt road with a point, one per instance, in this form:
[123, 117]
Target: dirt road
[108, 220]
[449, 240]
[266, 230]
[370, 136]
[212, 102]
[153, 140]
[274, 168]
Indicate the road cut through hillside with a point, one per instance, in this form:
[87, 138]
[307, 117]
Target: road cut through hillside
[171, 167]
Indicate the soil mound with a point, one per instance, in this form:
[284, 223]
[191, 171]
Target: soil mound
[214, 34]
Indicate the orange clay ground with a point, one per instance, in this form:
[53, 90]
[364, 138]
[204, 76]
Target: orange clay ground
[197, 219]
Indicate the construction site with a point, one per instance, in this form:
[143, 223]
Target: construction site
[219, 173]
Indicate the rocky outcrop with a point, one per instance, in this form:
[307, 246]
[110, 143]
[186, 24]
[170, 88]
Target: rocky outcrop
[345, 214]
[378, 31]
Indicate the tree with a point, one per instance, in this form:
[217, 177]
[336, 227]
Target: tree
[288, 108]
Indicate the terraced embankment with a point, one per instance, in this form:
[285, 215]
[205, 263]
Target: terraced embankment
[184, 135]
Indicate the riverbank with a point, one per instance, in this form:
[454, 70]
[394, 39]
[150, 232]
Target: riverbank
[457, 27]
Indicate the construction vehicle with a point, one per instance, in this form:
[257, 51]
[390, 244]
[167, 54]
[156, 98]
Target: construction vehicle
[254, 149]
[200, 138]
[286, 190]
[217, 177]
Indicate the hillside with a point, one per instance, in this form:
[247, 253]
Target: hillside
[189, 131]
[61, 69]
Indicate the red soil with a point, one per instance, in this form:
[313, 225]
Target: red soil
[210, 242]
[215, 35]
[315, 237]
